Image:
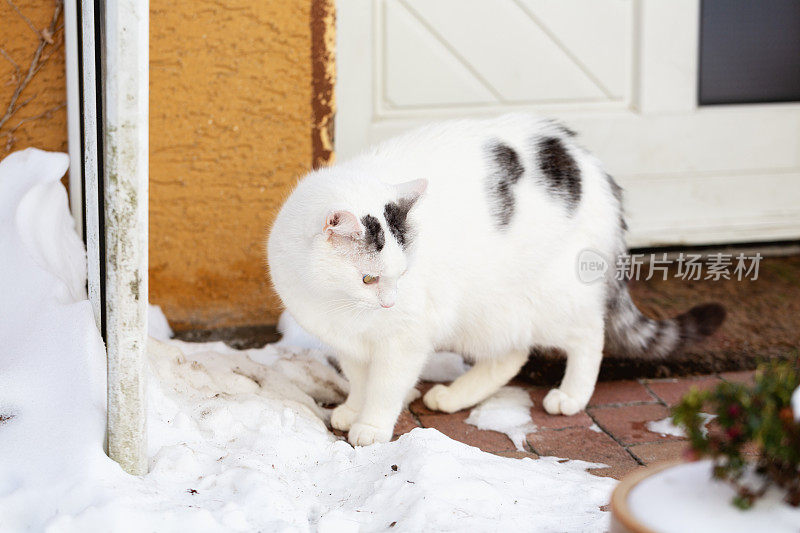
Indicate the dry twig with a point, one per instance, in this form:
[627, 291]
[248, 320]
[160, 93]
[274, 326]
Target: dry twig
[44, 114]
[46, 39]
[23, 17]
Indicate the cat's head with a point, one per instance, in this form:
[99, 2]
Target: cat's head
[365, 250]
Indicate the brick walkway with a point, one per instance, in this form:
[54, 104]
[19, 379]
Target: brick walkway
[611, 431]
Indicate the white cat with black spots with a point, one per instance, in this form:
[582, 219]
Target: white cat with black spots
[462, 236]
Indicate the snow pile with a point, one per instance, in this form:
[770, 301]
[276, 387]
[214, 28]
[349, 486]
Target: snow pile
[507, 411]
[665, 426]
[271, 464]
[237, 441]
[52, 361]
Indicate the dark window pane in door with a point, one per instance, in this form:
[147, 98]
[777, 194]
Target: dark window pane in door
[749, 51]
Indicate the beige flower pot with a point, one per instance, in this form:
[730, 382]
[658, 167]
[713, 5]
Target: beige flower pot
[622, 519]
[680, 497]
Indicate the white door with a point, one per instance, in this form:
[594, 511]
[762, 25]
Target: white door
[623, 73]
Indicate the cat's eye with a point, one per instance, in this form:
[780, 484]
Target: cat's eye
[369, 280]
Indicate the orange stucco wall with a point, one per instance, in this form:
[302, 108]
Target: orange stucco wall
[232, 126]
[230, 132]
[44, 119]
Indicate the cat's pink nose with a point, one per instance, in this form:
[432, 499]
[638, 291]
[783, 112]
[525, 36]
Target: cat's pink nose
[387, 297]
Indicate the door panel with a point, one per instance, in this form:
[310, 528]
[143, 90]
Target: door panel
[622, 73]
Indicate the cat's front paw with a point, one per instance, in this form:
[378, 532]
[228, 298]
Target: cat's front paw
[343, 417]
[558, 402]
[441, 398]
[365, 434]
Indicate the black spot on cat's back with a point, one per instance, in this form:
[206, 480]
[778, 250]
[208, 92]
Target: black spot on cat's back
[373, 233]
[616, 190]
[396, 215]
[507, 169]
[565, 130]
[569, 132]
[559, 169]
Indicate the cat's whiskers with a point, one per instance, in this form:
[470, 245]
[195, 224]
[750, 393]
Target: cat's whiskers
[348, 305]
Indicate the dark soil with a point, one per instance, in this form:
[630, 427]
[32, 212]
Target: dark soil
[240, 338]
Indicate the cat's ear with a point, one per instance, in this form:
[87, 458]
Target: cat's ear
[411, 191]
[344, 224]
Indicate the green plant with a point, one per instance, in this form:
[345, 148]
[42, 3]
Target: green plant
[754, 431]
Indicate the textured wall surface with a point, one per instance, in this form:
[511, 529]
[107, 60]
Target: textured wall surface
[230, 132]
[44, 119]
[238, 111]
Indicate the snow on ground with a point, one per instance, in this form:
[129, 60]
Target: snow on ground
[52, 366]
[507, 411]
[687, 498]
[237, 441]
[665, 426]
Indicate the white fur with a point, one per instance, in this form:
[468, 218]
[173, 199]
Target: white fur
[462, 285]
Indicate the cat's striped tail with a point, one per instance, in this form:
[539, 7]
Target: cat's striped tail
[631, 334]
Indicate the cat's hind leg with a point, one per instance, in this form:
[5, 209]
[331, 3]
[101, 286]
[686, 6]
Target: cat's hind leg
[584, 354]
[477, 384]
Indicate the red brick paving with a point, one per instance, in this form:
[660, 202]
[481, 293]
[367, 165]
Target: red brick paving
[656, 452]
[627, 423]
[613, 392]
[672, 390]
[455, 427]
[405, 423]
[586, 445]
[620, 410]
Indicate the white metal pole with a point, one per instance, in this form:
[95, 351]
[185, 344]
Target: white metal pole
[125, 175]
[73, 112]
[90, 159]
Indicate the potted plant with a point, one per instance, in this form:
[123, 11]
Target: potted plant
[743, 474]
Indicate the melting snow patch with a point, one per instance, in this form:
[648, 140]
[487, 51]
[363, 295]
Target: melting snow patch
[665, 426]
[507, 411]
